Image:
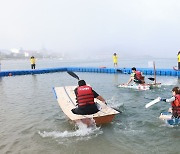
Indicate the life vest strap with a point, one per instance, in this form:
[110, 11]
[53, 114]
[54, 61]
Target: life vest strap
[87, 103]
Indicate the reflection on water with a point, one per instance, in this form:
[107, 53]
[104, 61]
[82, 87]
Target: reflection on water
[179, 80]
[116, 81]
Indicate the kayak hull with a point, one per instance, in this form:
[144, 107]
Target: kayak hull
[67, 101]
[135, 86]
[96, 120]
[141, 86]
[152, 85]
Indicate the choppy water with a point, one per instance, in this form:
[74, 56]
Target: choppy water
[31, 120]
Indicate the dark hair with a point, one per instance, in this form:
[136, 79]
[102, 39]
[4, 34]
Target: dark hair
[176, 90]
[134, 68]
[114, 53]
[81, 83]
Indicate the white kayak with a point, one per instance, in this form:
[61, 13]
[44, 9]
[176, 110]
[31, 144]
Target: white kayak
[67, 101]
[135, 86]
[153, 85]
[141, 86]
[165, 115]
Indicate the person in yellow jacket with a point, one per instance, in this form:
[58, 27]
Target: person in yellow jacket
[33, 62]
[178, 56]
[115, 60]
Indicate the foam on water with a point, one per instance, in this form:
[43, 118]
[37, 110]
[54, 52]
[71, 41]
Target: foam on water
[81, 131]
[114, 102]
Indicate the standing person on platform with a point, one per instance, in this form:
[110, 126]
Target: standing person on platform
[33, 62]
[115, 60]
[178, 56]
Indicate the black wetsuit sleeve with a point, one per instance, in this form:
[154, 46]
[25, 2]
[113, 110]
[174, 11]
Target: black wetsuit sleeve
[95, 94]
[75, 91]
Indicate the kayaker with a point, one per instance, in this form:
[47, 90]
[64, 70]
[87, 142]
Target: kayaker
[33, 62]
[115, 60]
[136, 76]
[85, 99]
[178, 56]
[175, 102]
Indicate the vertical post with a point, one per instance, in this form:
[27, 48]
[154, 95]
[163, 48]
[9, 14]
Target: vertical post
[154, 72]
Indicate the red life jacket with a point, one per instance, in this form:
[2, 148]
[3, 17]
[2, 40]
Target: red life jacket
[176, 106]
[85, 95]
[139, 75]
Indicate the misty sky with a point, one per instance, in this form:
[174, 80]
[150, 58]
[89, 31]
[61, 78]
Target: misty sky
[142, 27]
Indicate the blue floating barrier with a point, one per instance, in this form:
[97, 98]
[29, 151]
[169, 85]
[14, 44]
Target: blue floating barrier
[146, 71]
[177, 73]
[149, 72]
[163, 72]
[158, 72]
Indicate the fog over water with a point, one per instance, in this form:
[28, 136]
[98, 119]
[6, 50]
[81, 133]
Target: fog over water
[92, 27]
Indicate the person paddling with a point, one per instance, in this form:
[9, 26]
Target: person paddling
[175, 102]
[85, 99]
[136, 76]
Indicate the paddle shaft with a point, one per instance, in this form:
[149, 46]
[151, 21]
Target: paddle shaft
[153, 102]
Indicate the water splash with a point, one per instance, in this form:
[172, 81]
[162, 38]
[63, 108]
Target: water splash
[82, 131]
[114, 102]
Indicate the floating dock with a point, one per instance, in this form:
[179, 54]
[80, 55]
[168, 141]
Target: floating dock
[146, 71]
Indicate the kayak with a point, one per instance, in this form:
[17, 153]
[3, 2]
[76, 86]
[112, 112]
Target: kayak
[167, 117]
[67, 101]
[153, 85]
[141, 86]
[135, 86]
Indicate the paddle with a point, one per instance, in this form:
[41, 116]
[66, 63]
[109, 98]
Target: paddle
[152, 79]
[149, 98]
[75, 76]
[153, 102]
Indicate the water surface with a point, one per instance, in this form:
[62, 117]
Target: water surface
[32, 122]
